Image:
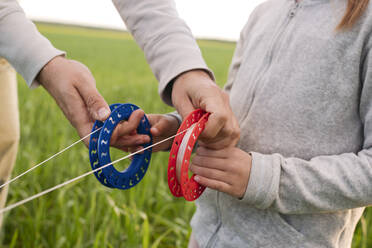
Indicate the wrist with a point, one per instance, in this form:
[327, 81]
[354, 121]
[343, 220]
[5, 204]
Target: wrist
[246, 175]
[49, 70]
[175, 116]
[188, 84]
[199, 73]
[174, 121]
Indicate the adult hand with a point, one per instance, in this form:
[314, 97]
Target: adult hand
[195, 89]
[225, 170]
[73, 87]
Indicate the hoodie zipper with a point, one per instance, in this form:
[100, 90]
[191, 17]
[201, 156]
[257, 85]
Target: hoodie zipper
[272, 47]
[291, 14]
[276, 40]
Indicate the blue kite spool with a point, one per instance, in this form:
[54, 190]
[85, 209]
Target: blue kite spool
[99, 150]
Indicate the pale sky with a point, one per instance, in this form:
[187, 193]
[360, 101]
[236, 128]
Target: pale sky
[221, 19]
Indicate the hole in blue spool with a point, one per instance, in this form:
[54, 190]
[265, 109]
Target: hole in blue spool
[116, 154]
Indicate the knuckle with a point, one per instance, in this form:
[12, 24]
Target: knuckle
[194, 169]
[225, 96]
[198, 160]
[222, 118]
[236, 133]
[91, 101]
[218, 186]
[214, 175]
[229, 132]
[131, 125]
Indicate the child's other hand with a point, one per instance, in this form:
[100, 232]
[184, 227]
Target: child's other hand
[126, 138]
[225, 170]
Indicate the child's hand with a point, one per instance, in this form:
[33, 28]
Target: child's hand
[162, 127]
[225, 170]
[126, 138]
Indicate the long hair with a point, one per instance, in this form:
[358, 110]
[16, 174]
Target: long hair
[355, 9]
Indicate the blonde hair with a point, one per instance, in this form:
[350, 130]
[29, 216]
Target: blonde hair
[355, 9]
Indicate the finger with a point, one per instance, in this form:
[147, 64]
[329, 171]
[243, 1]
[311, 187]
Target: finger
[227, 137]
[136, 149]
[131, 125]
[124, 149]
[97, 106]
[210, 173]
[129, 149]
[158, 128]
[161, 127]
[133, 140]
[222, 129]
[209, 162]
[215, 145]
[213, 184]
[77, 114]
[206, 152]
[214, 125]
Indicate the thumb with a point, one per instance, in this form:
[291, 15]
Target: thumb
[97, 107]
[160, 127]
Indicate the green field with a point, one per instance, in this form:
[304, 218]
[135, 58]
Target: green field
[86, 214]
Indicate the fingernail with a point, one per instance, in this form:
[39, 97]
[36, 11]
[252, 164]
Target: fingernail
[196, 178]
[103, 113]
[143, 140]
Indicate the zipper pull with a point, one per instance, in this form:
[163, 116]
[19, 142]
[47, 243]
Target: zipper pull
[293, 11]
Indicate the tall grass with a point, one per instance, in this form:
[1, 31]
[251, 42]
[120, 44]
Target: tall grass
[86, 214]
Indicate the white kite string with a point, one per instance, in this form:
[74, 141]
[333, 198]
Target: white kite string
[46, 160]
[83, 175]
[182, 151]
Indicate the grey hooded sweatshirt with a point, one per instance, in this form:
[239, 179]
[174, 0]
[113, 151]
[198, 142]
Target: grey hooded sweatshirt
[302, 93]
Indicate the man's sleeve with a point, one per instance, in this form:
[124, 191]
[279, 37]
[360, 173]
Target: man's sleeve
[21, 43]
[167, 42]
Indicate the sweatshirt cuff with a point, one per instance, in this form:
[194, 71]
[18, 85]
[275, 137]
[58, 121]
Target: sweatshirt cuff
[263, 185]
[40, 62]
[176, 115]
[22, 44]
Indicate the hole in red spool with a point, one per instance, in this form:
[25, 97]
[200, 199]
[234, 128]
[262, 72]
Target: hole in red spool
[191, 158]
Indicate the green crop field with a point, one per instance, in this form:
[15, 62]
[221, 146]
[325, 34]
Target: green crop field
[86, 214]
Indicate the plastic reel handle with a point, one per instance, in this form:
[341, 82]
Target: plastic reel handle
[99, 150]
[188, 187]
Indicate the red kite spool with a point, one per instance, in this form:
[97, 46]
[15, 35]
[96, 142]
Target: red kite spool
[179, 159]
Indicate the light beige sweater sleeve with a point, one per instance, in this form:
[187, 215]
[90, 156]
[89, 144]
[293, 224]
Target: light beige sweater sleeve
[21, 43]
[166, 40]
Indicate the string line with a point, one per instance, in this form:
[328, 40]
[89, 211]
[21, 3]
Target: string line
[14, 205]
[46, 160]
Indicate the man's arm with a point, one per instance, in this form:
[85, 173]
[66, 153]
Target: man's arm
[21, 44]
[176, 60]
[166, 40]
[69, 82]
